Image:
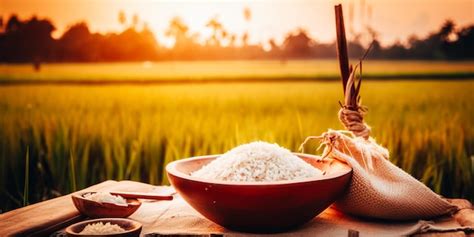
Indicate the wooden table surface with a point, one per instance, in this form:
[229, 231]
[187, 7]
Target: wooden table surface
[44, 218]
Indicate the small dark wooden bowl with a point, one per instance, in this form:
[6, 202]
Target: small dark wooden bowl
[98, 210]
[260, 207]
[132, 228]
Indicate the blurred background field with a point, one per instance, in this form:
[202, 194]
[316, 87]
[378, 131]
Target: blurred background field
[170, 71]
[80, 135]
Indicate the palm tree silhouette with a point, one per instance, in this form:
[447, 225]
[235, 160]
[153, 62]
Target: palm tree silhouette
[247, 17]
[122, 18]
[218, 31]
[135, 21]
[178, 30]
[247, 14]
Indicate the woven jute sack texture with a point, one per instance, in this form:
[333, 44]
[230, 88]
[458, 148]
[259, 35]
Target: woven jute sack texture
[380, 189]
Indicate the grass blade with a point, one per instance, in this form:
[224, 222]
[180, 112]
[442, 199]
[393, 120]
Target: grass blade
[73, 172]
[27, 177]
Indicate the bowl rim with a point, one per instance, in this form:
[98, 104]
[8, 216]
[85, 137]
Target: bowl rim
[172, 170]
[137, 225]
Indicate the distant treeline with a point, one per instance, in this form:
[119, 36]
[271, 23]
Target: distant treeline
[31, 41]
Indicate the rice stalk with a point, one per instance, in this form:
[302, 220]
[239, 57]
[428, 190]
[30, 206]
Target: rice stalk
[27, 177]
[72, 172]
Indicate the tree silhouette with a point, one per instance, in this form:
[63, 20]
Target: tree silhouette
[122, 18]
[74, 41]
[247, 14]
[298, 44]
[179, 31]
[135, 20]
[374, 35]
[446, 30]
[218, 31]
[464, 46]
[245, 39]
[232, 40]
[13, 24]
[26, 41]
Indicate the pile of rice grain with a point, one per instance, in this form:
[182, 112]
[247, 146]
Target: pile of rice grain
[257, 162]
[106, 197]
[100, 228]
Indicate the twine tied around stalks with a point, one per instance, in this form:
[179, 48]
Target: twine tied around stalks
[352, 112]
[354, 121]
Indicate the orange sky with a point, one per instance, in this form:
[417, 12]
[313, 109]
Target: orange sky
[393, 19]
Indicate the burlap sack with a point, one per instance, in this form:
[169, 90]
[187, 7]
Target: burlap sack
[379, 189]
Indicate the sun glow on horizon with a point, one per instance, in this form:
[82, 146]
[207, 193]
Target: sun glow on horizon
[268, 19]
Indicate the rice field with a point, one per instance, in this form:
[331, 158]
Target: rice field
[225, 70]
[68, 137]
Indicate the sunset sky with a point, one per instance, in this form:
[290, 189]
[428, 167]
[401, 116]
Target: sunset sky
[393, 19]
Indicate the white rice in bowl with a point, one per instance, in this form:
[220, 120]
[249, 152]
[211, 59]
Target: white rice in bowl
[105, 197]
[100, 228]
[257, 162]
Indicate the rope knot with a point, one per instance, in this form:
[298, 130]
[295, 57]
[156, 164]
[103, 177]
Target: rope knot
[353, 120]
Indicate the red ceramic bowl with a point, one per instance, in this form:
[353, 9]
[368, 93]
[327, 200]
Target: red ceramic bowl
[260, 207]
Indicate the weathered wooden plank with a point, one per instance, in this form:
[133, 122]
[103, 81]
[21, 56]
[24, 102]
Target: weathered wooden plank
[43, 217]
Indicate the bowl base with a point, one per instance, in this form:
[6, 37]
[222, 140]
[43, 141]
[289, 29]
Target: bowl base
[264, 230]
